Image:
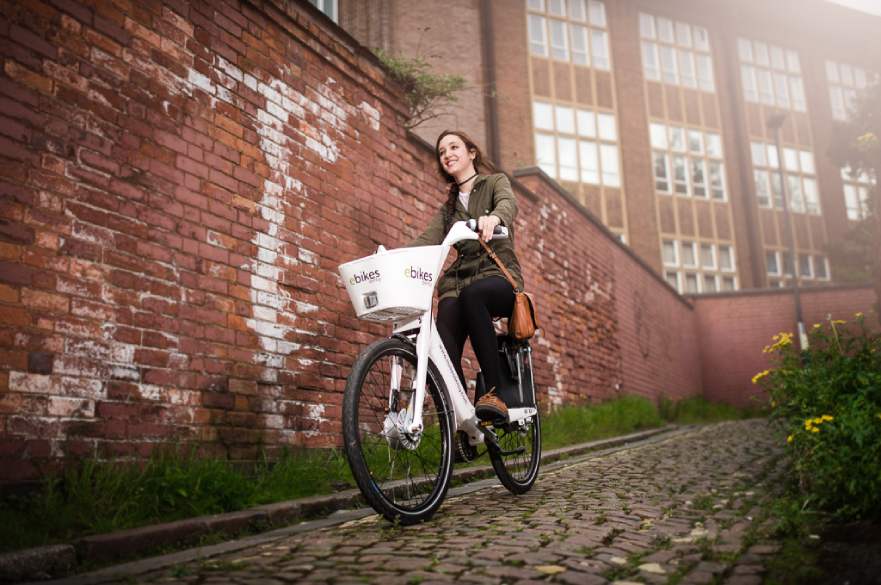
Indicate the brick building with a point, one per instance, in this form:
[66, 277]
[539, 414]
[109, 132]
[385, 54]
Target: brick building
[653, 114]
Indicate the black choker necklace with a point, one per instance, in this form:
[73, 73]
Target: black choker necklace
[466, 180]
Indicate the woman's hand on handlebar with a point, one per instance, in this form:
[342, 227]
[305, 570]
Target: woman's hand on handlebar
[485, 226]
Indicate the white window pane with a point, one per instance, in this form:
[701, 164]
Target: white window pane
[804, 266]
[658, 135]
[669, 253]
[559, 48]
[646, 26]
[859, 78]
[686, 68]
[537, 40]
[590, 168]
[557, 7]
[820, 267]
[790, 159]
[836, 98]
[806, 159]
[677, 138]
[673, 278]
[832, 72]
[729, 283]
[665, 29]
[812, 197]
[689, 258]
[606, 123]
[565, 118]
[757, 149]
[701, 39]
[537, 5]
[766, 92]
[772, 156]
[705, 73]
[772, 263]
[599, 49]
[708, 256]
[698, 177]
[796, 198]
[650, 61]
[846, 74]
[683, 34]
[714, 145]
[792, 63]
[568, 159]
[609, 159]
[696, 141]
[763, 188]
[777, 59]
[543, 116]
[680, 175]
[586, 124]
[761, 54]
[661, 172]
[745, 50]
[578, 37]
[709, 283]
[578, 10]
[781, 90]
[597, 13]
[726, 260]
[546, 154]
[750, 89]
[691, 283]
[776, 190]
[797, 94]
[716, 175]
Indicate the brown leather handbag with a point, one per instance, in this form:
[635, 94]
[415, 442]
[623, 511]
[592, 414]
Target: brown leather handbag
[522, 323]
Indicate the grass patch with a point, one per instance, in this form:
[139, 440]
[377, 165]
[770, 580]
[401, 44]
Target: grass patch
[98, 497]
[697, 410]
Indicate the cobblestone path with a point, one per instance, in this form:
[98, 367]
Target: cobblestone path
[685, 509]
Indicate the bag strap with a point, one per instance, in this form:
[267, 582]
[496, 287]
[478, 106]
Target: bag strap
[504, 270]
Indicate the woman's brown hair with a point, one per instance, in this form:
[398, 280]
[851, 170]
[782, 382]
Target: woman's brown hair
[453, 194]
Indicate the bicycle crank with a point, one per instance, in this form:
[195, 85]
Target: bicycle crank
[492, 442]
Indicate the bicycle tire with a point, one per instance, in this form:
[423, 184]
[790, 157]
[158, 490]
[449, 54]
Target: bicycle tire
[518, 472]
[374, 452]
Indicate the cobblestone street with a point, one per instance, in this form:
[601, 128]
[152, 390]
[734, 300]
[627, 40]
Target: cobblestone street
[684, 508]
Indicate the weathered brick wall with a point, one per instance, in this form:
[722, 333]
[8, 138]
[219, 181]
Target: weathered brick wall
[735, 327]
[179, 184]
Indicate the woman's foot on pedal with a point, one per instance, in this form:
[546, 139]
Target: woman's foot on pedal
[491, 407]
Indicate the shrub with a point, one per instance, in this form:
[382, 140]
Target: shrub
[828, 400]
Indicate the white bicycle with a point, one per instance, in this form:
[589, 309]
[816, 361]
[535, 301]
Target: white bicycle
[406, 415]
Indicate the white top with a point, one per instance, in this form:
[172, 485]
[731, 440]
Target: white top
[463, 198]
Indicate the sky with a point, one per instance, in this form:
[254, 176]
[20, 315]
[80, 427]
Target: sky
[870, 6]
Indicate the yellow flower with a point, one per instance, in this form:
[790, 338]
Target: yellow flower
[838, 322]
[858, 314]
[773, 404]
[760, 375]
[815, 430]
[867, 140]
[789, 439]
[781, 340]
[826, 417]
[817, 325]
[879, 415]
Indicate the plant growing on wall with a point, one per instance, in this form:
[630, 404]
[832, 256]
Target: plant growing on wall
[427, 93]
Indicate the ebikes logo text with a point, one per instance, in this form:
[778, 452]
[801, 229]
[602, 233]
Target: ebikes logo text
[417, 273]
[361, 277]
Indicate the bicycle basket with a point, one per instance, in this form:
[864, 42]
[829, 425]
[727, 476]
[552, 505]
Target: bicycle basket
[394, 284]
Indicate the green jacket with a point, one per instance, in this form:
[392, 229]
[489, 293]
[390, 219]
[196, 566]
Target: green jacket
[490, 195]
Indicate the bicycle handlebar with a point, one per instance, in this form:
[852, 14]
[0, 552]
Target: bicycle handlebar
[497, 231]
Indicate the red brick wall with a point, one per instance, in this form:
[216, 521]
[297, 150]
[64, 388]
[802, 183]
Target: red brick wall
[735, 327]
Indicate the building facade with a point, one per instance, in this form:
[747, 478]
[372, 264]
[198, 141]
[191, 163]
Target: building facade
[654, 115]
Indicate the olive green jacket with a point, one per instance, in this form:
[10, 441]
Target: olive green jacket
[490, 195]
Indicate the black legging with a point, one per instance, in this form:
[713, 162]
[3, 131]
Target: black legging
[470, 315]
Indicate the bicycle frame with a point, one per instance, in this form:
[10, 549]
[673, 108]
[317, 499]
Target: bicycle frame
[430, 348]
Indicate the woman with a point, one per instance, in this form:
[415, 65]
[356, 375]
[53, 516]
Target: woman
[473, 290]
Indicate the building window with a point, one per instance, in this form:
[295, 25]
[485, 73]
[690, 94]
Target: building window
[329, 7]
[811, 267]
[857, 191]
[771, 75]
[577, 145]
[800, 173]
[698, 267]
[844, 82]
[573, 31]
[676, 52]
[687, 161]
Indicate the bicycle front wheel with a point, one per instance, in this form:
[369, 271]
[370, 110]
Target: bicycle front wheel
[404, 476]
[518, 469]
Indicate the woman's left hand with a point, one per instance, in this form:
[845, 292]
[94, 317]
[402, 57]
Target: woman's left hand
[486, 224]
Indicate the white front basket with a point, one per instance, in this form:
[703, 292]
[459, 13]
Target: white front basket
[393, 284]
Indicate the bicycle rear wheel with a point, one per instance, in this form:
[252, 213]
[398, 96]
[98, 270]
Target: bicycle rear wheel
[403, 476]
[519, 470]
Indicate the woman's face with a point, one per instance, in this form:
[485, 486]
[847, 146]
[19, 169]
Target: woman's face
[453, 155]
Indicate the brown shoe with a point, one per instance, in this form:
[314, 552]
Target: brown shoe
[491, 407]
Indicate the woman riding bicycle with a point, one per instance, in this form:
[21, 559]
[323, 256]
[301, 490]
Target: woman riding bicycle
[473, 290]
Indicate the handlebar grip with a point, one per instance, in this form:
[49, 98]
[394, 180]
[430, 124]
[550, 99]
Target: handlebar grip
[472, 225]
